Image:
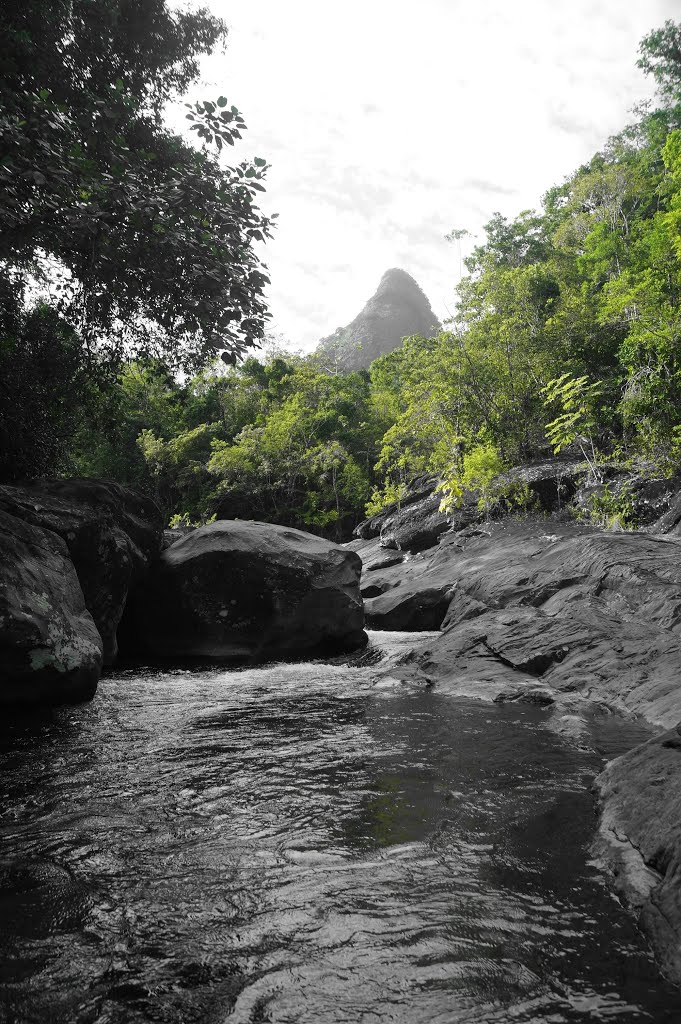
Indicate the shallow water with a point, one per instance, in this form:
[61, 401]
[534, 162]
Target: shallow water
[309, 843]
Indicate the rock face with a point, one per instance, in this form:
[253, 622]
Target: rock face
[236, 590]
[397, 310]
[640, 794]
[50, 650]
[112, 534]
[598, 614]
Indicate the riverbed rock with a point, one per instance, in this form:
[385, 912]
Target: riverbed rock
[589, 613]
[640, 795]
[551, 484]
[50, 649]
[417, 523]
[238, 590]
[111, 532]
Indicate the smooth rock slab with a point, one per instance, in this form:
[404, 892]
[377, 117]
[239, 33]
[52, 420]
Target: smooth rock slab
[239, 590]
[50, 650]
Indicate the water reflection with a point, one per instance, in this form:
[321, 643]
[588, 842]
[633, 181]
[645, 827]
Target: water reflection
[292, 844]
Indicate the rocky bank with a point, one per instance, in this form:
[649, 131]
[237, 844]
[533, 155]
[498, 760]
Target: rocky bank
[84, 578]
[549, 610]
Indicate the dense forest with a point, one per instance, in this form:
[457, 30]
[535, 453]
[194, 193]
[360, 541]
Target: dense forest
[133, 326]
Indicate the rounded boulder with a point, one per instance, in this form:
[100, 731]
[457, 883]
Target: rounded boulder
[239, 590]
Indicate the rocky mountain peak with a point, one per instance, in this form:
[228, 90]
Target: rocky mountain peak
[397, 309]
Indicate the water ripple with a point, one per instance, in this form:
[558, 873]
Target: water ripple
[295, 844]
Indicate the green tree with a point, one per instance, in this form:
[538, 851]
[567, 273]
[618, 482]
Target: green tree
[150, 240]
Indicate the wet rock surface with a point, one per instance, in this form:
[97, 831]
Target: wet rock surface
[552, 613]
[591, 613]
[50, 650]
[241, 590]
[640, 794]
[112, 534]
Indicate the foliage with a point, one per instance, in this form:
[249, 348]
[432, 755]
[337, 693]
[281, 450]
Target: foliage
[149, 241]
[609, 508]
[566, 330]
[389, 495]
[576, 422]
[479, 468]
[42, 385]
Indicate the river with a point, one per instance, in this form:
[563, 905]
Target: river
[310, 843]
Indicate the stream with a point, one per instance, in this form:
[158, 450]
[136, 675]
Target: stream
[310, 843]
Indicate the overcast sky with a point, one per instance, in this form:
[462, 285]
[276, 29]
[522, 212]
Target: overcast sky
[388, 123]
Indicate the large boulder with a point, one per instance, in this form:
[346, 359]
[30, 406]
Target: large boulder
[422, 487]
[112, 534]
[243, 590]
[50, 649]
[417, 527]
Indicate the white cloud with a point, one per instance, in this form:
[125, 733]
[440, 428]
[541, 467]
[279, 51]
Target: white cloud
[388, 124]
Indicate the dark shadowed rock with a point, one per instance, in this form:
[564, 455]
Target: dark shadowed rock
[171, 536]
[640, 795]
[553, 483]
[417, 527]
[422, 487]
[236, 590]
[397, 310]
[50, 650]
[670, 520]
[417, 523]
[111, 533]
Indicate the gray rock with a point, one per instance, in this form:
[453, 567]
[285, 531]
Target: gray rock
[111, 533]
[50, 650]
[553, 482]
[416, 527]
[640, 796]
[585, 611]
[238, 589]
[421, 488]
[670, 521]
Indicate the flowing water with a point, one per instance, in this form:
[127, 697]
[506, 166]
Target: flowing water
[309, 843]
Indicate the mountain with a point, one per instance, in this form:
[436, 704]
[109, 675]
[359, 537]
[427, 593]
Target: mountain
[397, 309]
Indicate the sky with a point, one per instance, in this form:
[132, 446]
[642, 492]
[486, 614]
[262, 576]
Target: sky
[389, 123]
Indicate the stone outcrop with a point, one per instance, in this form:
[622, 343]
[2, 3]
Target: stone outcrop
[586, 612]
[640, 796]
[239, 590]
[397, 310]
[112, 534]
[50, 649]
[417, 523]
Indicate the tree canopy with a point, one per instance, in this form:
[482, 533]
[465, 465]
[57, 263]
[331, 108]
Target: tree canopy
[143, 242]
